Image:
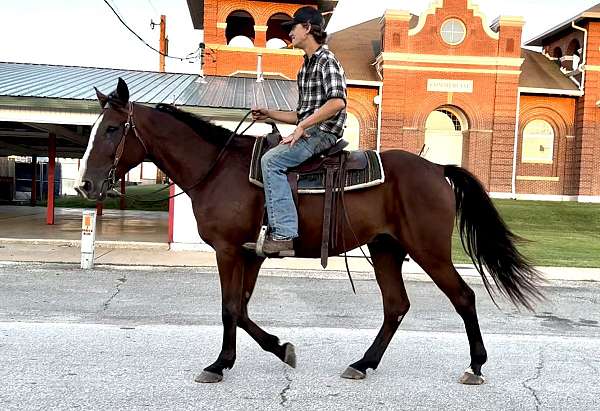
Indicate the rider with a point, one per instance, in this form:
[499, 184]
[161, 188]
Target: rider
[319, 121]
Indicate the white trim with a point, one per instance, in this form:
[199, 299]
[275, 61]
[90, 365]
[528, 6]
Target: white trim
[364, 83]
[551, 91]
[447, 59]
[451, 70]
[438, 4]
[379, 112]
[546, 197]
[513, 181]
[48, 116]
[538, 178]
[588, 199]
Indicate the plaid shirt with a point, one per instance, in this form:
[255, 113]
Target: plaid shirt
[322, 78]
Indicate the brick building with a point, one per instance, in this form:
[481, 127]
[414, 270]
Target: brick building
[445, 84]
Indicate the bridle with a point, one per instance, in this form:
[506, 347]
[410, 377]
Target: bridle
[111, 180]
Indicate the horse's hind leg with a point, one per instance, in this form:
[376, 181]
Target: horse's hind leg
[388, 257]
[268, 342]
[441, 270]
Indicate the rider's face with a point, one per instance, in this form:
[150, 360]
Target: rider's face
[298, 34]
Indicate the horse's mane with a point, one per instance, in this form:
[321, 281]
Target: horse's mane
[208, 131]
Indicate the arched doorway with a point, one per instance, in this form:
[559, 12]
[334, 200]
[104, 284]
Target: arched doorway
[444, 131]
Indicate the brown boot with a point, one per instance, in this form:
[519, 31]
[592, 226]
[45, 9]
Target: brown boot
[283, 248]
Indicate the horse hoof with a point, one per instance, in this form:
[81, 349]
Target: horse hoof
[353, 374]
[290, 355]
[469, 378]
[208, 377]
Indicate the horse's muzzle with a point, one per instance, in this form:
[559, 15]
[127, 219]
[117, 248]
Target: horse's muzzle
[86, 190]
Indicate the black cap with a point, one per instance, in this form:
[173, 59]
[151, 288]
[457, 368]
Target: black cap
[306, 14]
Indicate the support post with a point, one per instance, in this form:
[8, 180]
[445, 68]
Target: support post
[33, 200]
[171, 212]
[122, 203]
[51, 169]
[99, 208]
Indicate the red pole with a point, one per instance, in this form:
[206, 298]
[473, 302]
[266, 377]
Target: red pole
[122, 204]
[33, 199]
[99, 208]
[51, 169]
[171, 212]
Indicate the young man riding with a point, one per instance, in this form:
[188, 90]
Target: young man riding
[319, 121]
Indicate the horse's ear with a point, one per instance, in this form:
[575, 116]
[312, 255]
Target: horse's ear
[102, 98]
[122, 93]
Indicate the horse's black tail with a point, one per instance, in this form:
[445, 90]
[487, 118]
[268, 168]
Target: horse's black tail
[490, 243]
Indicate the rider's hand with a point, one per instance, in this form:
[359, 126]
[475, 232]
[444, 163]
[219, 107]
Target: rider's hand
[295, 136]
[260, 114]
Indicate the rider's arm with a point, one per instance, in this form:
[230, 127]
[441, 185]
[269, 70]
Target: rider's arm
[288, 117]
[327, 110]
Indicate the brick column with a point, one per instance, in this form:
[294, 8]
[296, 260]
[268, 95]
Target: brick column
[261, 36]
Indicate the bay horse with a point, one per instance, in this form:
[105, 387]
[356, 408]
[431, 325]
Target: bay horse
[412, 212]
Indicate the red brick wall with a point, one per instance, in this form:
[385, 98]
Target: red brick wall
[587, 142]
[360, 104]
[490, 108]
[559, 112]
[225, 62]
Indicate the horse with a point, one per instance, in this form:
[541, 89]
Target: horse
[412, 213]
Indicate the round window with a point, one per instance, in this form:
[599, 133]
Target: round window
[453, 31]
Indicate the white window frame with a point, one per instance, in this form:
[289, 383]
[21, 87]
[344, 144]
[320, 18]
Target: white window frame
[547, 158]
[452, 31]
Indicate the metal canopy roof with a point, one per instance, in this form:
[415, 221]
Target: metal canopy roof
[64, 90]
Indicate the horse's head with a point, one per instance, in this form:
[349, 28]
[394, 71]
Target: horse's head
[113, 148]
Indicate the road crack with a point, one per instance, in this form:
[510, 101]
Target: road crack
[283, 393]
[537, 374]
[120, 282]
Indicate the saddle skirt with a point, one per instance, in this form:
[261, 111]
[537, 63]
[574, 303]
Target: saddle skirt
[363, 168]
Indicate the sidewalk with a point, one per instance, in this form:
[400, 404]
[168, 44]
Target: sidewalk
[149, 254]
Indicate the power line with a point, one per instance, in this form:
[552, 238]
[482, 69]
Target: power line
[144, 41]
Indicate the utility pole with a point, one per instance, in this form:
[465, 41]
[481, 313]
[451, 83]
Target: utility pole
[164, 43]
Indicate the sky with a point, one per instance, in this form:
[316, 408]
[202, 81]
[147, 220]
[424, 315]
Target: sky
[86, 32]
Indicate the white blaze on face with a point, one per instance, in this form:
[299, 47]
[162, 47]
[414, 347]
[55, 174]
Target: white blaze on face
[86, 156]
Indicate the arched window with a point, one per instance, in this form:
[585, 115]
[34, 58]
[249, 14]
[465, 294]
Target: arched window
[538, 142]
[444, 130]
[574, 52]
[557, 53]
[240, 24]
[276, 32]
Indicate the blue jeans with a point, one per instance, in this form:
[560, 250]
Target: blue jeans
[281, 210]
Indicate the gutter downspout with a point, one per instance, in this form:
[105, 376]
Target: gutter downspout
[584, 57]
[379, 118]
[513, 183]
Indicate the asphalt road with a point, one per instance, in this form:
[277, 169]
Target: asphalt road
[133, 338]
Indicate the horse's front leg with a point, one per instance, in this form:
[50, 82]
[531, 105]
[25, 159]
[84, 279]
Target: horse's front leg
[268, 342]
[231, 273]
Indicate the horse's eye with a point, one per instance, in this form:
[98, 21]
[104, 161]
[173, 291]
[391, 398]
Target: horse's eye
[111, 129]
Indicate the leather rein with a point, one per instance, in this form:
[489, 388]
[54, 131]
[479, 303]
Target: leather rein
[129, 125]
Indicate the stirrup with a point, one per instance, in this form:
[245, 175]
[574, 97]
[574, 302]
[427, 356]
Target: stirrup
[257, 247]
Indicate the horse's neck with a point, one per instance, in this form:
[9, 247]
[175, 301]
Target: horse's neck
[182, 154]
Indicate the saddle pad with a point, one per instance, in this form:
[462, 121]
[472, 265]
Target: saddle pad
[314, 182]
